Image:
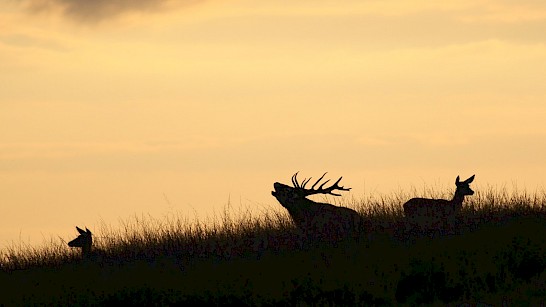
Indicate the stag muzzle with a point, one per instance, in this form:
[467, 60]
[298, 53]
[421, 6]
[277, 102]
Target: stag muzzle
[278, 187]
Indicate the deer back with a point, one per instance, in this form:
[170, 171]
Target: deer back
[425, 207]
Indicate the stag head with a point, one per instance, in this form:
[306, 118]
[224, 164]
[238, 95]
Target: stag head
[288, 195]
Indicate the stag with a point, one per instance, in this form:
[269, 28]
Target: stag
[83, 241]
[438, 212]
[317, 219]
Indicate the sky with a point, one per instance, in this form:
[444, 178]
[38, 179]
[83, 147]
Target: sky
[112, 109]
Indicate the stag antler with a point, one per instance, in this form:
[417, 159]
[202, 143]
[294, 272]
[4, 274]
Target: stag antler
[320, 189]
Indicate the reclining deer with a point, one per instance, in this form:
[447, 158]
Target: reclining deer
[438, 212]
[317, 219]
[83, 241]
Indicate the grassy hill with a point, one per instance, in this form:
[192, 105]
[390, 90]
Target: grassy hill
[494, 255]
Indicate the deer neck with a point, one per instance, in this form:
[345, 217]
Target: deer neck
[299, 207]
[86, 250]
[300, 204]
[458, 198]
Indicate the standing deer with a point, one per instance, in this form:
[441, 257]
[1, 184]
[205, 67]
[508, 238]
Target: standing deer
[436, 212]
[83, 241]
[317, 219]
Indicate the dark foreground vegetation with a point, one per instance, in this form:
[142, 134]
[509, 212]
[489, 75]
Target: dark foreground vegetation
[494, 254]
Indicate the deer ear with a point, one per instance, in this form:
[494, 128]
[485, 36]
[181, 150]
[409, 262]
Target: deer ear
[469, 180]
[81, 231]
[457, 181]
[88, 231]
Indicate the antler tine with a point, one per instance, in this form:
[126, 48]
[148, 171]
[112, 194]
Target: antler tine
[305, 182]
[325, 182]
[295, 180]
[338, 187]
[335, 186]
[312, 187]
[322, 190]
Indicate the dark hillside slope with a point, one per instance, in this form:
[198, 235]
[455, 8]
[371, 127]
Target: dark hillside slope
[496, 255]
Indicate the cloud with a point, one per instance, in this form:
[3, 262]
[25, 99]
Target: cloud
[92, 11]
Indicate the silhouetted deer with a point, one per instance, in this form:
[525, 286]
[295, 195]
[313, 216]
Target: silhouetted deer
[438, 213]
[83, 241]
[317, 219]
[443, 207]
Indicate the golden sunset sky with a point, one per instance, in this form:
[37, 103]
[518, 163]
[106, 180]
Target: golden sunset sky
[116, 108]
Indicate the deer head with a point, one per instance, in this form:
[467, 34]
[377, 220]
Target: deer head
[83, 241]
[289, 196]
[463, 188]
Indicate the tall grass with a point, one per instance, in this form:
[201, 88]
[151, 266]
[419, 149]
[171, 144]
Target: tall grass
[496, 256]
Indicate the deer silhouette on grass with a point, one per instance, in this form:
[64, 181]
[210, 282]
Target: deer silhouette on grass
[438, 212]
[83, 241]
[317, 219]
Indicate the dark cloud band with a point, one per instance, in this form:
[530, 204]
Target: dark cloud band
[97, 10]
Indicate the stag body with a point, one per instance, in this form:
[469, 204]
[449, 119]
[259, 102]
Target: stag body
[320, 219]
[426, 208]
[83, 241]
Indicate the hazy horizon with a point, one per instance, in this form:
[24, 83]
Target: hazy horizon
[114, 108]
